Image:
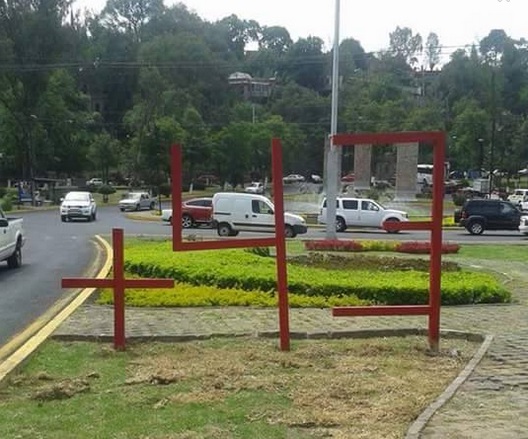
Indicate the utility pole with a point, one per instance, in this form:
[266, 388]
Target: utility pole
[333, 151]
[493, 128]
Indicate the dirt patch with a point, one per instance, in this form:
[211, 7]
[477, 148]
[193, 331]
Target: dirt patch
[62, 390]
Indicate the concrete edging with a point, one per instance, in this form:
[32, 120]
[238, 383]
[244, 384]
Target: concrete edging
[420, 423]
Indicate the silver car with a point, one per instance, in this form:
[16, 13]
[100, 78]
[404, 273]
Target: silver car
[137, 201]
[78, 205]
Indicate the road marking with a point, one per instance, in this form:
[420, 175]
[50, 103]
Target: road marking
[23, 344]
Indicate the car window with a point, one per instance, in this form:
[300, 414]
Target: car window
[258, 206]
[507, 208]
[368, 205]
[76, 196]
[337, 204]
[350, 204]
[207, 203]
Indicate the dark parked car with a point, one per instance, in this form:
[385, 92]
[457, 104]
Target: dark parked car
[479, 215]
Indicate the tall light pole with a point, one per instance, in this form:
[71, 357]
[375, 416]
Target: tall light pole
[332, 158]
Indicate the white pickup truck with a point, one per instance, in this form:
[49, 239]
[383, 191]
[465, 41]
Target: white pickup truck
[11, 240]
[361, 212]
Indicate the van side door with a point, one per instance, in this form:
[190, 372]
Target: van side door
[262, 216]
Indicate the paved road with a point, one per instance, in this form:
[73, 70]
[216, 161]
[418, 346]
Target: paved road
[55, 250]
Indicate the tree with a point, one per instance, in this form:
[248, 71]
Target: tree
[275, 38]
[130, 15]
[404, 44]
[305, 63]
[432, 50]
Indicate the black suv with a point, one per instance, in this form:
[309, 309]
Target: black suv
[479, 215]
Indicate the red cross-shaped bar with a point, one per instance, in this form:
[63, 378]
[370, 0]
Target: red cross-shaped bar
[118, 284]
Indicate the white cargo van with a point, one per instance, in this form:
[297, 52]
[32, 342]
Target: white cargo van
[235, 212]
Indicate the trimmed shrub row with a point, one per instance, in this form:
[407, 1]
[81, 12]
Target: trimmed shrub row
[236, 269]
[365, 246]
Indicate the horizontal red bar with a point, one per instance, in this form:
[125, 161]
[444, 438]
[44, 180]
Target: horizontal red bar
[87, 283]
[393, 226]
[228, 243]
[387, 138]
[149, 283]
[362, 311]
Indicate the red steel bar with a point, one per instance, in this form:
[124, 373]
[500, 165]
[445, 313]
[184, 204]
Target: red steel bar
[437, 139]
[280, 244]
[436, 241]
[118, 284]
[119, 290]
[278, 241]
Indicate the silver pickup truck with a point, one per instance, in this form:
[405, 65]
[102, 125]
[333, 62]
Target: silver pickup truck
[11, 240]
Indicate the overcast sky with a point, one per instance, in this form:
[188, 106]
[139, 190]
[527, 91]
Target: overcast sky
[457, 22]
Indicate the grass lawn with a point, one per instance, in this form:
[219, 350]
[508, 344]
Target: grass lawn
[227, 388]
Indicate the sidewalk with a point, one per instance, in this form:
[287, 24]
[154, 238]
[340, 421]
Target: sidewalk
[493, 403]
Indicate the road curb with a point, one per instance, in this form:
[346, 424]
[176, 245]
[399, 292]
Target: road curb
[421, 422]
[35, 334]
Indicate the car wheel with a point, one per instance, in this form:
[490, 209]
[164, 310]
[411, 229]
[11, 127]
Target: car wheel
[64, 218]
[187, 221]
[223, 229]
[94, 216]
[393, 220]
[289, 232]
[476, 228]
[340, 224]
[152, 206]
[122, 209]
[138, 207]
[15, 260]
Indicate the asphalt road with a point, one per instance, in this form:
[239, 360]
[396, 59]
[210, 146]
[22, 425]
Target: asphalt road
[54, 250]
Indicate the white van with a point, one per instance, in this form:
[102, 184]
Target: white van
[234, 212]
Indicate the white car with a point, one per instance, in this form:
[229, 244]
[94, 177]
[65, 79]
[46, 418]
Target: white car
[255, 188]
[137, 201]
[360, 212]
[518, 196]
[523, 225]
[78, 205]
[293, 178]
[94, 182]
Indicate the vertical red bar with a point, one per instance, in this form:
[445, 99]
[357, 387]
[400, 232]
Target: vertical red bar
[436, 241]
[280, 244]
[119, 290]
[176, 184]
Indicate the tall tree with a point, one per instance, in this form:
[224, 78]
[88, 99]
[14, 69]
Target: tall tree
[432, 50]
[405, 44]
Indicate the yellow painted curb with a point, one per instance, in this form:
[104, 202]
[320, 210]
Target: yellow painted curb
[35, 337]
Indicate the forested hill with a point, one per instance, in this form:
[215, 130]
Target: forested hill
[93, 95]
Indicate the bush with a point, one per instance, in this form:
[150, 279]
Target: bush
[459, 199]
[106, 189]
[240, 270]
[6, 203]
[364, 246]
[3, 191]
[165, 189]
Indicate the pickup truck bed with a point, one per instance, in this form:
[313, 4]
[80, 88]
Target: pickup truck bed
[11, 240]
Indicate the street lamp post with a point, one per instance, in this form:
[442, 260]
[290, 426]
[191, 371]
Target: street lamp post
[332, 155]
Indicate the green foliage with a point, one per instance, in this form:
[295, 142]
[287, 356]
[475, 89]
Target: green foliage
[106, 189]
[365, 246]
[236, 269]
[6, 203]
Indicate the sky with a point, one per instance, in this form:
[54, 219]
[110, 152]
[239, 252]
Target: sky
[456, 22]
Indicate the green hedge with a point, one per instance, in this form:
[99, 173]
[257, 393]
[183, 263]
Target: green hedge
[242, 270]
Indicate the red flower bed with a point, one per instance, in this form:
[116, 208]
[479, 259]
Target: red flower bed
[424, 248]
